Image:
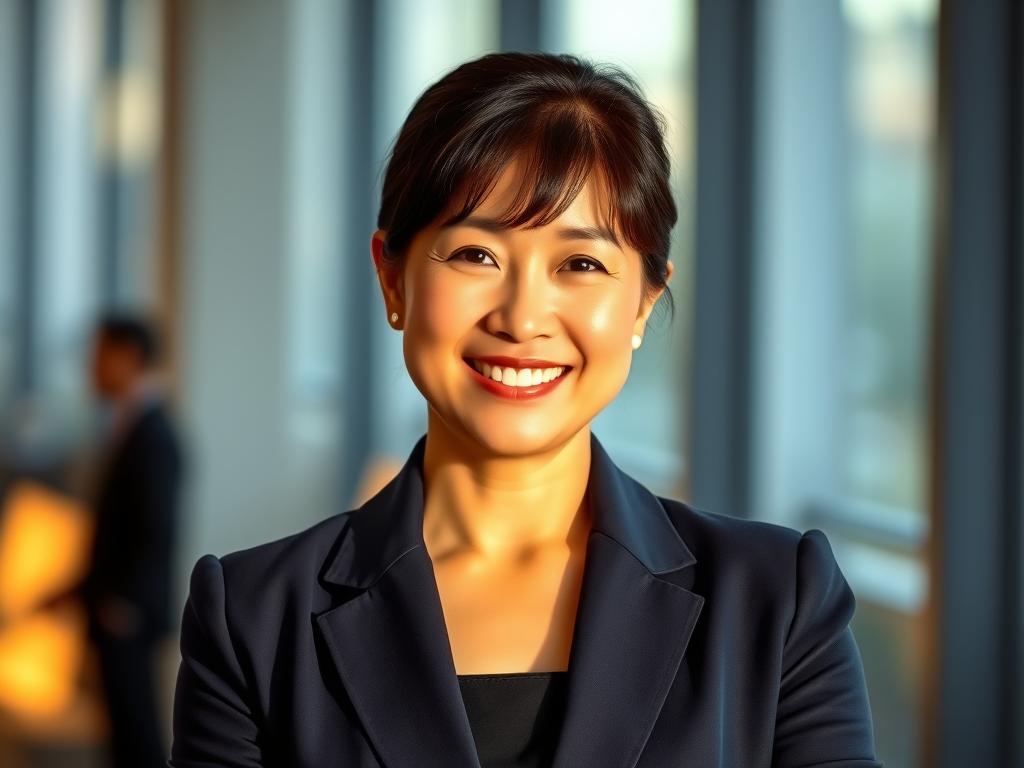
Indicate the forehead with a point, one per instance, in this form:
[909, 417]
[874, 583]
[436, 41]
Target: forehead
[511, 192]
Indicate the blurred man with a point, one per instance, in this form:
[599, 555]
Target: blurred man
[127, 588]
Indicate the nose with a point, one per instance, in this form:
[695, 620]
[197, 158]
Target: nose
[524, 305]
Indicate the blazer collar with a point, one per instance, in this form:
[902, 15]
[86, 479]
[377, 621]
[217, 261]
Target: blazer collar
[389, 643]
[389, 524]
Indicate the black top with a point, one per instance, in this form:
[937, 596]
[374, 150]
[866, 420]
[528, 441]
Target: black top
[515, 716]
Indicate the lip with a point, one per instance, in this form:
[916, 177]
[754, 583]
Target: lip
[515, 362]
[515, 394]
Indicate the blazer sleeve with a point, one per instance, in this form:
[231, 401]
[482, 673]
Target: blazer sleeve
[823, 717]
[214, 725]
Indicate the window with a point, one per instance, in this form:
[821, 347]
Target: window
[81, 233]
[843, 260]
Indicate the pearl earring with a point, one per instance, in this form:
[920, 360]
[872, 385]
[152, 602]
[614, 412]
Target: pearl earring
[637, 340]
[394, 317]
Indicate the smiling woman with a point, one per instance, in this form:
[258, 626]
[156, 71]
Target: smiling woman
[512, 597]
[567, 294]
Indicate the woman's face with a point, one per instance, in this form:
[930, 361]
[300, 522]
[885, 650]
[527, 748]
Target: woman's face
[561, 295]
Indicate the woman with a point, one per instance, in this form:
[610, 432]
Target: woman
[512, 597]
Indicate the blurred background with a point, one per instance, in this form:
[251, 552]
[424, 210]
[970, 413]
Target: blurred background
[846, 355]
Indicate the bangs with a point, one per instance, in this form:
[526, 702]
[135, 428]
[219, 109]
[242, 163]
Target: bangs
[558, 151]
[561, 123]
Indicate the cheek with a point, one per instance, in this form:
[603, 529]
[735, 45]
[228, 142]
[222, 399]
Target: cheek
[603, 329]
[604, 326]
[441, 313]
[441, 309]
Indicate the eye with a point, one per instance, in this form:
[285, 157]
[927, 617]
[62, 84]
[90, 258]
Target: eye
[478, 257]
[475, 253]
[592, 265]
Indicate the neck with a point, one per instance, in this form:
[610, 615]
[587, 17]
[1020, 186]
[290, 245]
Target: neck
[503, 506]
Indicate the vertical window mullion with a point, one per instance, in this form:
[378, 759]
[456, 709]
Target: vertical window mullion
[24, 362]
[977, 390]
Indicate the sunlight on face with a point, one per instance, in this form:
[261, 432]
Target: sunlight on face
[560, 293]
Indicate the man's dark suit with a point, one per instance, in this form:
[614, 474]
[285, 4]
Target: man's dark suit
[700, 640]
[130, 574]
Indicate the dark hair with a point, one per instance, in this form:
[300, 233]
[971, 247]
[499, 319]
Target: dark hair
[566, 118]
[133, 330]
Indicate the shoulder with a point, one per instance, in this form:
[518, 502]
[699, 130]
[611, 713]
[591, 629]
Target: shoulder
[718, 536]
[248, 610]
[153, 430]
[778, 609]
[288, 552]
[276, 573]
[768, 560]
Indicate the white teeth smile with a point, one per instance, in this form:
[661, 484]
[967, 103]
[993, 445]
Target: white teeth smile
[522, 377]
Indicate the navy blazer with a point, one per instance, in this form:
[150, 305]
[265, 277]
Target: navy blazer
[701, 640]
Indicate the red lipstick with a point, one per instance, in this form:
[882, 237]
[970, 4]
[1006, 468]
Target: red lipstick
[515, 393]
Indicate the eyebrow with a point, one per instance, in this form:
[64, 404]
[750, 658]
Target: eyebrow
[566, 233]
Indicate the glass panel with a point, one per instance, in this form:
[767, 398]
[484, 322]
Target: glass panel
[891, 86]
[318, 262]
[96, 145]
[645, 427]
[846, 129]
[67, 205]
[131, 118]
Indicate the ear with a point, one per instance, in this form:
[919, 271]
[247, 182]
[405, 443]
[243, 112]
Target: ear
[390, 278]
[648, 302]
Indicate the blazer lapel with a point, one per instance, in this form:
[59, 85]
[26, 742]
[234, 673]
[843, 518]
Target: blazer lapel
[632, 626]
[390, 644]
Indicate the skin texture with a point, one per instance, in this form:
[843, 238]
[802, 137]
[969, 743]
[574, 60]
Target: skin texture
[506, 517]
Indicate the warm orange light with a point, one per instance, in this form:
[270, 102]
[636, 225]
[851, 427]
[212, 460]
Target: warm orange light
[39, 661]
[43, 546]
[44, 540]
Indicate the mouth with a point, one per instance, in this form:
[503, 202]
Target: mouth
[519, 374]
[518, 383]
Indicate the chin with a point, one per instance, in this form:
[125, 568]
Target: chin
[522, 439]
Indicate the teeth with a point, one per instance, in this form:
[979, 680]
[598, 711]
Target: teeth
[525, 377]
